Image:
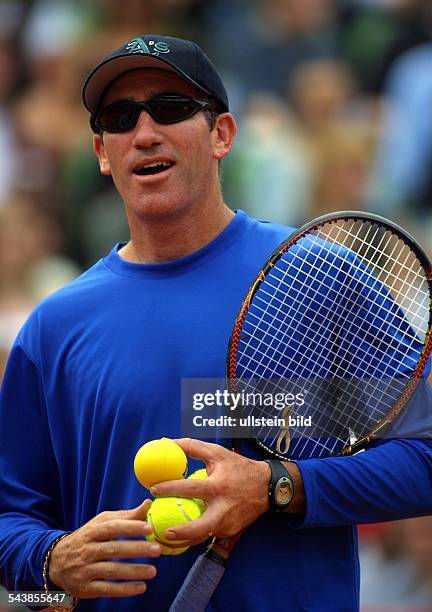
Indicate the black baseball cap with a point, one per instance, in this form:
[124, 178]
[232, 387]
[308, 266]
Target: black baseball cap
[183, 57]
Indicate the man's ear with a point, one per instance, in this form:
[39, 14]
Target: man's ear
[99, 149]
[224, 131]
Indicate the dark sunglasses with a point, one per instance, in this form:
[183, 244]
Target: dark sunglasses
[166, 109]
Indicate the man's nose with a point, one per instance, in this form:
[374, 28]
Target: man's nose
[147, 131]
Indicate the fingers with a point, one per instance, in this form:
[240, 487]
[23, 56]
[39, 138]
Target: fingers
[81, 562]
[123, 549]
[200, 529]
[139, 512]
[111, 570]
[100, 588]
[182, 488]
[117, 528]
[236, 492]
[197, 449]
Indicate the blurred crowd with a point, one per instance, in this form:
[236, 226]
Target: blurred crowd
[333, 100]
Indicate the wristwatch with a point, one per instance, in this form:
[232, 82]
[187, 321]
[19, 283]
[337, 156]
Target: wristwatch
[281, 486]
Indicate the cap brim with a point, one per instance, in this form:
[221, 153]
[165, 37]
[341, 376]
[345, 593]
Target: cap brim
[98, 80]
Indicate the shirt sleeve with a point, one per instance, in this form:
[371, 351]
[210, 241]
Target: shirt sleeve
[389, 482]
[29, 517]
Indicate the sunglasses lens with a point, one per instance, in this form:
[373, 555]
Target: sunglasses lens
[172, 110]
[118, 118]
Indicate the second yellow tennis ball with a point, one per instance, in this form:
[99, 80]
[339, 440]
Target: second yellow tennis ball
[159, 460]
[166, 512]
[199, 475]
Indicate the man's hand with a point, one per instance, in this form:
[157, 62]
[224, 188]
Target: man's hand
[236, 492]
[83, 563]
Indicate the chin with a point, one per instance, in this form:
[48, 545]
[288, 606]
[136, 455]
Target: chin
[158, 209]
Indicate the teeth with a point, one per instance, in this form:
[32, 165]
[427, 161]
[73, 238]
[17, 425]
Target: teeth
[153, 167]
[154, 164]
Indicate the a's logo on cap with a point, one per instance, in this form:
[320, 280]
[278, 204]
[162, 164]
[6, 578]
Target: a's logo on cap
[137, 45]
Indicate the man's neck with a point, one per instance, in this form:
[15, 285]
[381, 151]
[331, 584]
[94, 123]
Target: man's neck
[171, 239]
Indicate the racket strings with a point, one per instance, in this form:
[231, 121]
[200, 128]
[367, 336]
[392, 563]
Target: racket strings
[305, 293]
[414, 271]
[287, 287]
[304, 326]
[271, 299]
[378, 273]
[305, 319]
[304, 323]
[383, 321]
[418, 275]
[351, 239]
[400, 296]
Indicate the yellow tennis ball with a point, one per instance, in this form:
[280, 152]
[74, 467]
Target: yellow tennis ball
[159, 460]
[199, 475]
[166, 512]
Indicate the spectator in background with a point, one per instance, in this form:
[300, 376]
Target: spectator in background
[49, 110]
[401, 181]
[342, 161]
[10, 16]
[20, 245]
[121, 19]
[321, 92]
[29, 238]
[339, 126]
[397, 567]
[269, 172]
[3, 360]
[259, 46]
[374, 33]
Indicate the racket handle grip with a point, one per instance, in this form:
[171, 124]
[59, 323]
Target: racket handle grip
[199, 585]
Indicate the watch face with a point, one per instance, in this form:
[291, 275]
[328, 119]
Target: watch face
[283, 492]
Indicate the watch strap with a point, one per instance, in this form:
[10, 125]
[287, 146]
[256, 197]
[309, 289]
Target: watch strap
[279, 475]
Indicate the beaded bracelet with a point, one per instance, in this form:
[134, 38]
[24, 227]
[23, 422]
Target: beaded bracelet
[45, 573]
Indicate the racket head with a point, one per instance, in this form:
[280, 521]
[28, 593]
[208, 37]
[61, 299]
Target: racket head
[343, 307]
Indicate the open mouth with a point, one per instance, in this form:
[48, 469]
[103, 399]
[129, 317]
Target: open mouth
[153, 168]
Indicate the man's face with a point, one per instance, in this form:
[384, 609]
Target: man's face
[190, 150]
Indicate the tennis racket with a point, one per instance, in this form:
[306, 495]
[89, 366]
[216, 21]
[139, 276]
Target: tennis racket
[343, 305]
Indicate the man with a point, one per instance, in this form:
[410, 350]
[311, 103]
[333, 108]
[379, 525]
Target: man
[96, 372]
